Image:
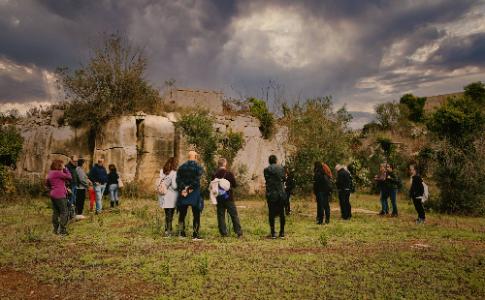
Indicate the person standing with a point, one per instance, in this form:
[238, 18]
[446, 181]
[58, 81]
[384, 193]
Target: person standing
[416, 193]
[168, 177]
[226, 202]
[344, 186]
[112, 184]
[380, 180]
[82, 186]
[289, 187]
[56, 181]
[71, 166]
[99, 178]
[188, 186]
[274, 176]
[322, 188]
[392, 184]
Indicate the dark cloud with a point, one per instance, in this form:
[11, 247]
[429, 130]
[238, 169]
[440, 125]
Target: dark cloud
[361, 52]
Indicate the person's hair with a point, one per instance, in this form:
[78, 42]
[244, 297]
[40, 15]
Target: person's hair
[272, 159]
[221, 162]
[112, 168]
[57, 164]
[390, 166]
[327, 170]
[170, 165]
[416, 167]
[80, 162]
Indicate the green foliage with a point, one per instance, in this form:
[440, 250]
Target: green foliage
[230, 144]
[260, 111]
[387, 114]
[111, 84]
[458, 121]
[10, 147]
[386, 145]
[415, 106]
[476, 92]
[316, 133]
[198, 127]
[458, 127]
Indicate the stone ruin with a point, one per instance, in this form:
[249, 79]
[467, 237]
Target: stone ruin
[140, 144]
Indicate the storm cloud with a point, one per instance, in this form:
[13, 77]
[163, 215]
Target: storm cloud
[360, 52]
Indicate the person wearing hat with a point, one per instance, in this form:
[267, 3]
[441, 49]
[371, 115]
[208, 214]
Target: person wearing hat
[225, 201]
[188, 186]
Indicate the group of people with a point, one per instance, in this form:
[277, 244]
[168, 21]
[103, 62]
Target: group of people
[68, 185]
[178, 188]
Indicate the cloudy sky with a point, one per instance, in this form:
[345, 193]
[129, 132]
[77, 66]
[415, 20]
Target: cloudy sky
[360, 52]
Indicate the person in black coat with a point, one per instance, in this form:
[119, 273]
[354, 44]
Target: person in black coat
[274, 176]
[344, 186]
[322, 188]
[416, 193]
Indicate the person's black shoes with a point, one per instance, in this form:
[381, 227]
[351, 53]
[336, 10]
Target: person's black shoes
[282, 235]
[394, 215]
[271, 236]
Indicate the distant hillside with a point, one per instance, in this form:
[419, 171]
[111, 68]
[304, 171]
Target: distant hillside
[432, 102]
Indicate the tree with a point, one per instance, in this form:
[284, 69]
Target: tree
[387, 114]
[476, 92]
[316, 133]
[111, 84]
[458, 128]
[415, 107]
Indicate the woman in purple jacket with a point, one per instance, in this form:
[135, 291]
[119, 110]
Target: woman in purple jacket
[56, 181]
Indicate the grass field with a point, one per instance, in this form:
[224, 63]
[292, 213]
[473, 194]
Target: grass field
[121, 254]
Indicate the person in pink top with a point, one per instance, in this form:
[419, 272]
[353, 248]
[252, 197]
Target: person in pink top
[56, 181]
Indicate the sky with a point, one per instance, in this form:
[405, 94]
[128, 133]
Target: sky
[359, 52]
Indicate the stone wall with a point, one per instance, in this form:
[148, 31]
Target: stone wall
[194, 99]
[139, 145]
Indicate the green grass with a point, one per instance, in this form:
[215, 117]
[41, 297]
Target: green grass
[122, 254]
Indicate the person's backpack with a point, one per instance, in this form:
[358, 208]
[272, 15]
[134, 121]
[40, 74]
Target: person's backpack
[425, 196]
[219, 187]
[161, 187]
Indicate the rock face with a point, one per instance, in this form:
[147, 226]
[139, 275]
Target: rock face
[195, 99]
[139, 145]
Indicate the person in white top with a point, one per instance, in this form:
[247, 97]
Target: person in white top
[167, 194]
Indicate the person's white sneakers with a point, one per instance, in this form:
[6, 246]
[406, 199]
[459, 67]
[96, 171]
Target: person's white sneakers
[80, 217]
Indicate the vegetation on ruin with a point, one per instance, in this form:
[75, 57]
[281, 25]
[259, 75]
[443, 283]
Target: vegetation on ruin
[121, 254]
[259, 109]
[112, 83]
[198, 129]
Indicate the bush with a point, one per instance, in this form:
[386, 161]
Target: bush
[10, 147]
[315, 133]
[260, 111]
[415, 107]
[230, 144]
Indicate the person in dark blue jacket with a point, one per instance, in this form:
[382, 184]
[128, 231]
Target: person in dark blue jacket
[274, 176]
[99, 178]
[188, 185]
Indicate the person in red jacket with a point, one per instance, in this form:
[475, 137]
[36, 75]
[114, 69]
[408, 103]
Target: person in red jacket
[56, 181]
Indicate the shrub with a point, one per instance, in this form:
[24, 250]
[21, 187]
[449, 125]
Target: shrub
[315, 133]
[230, 144]
[10, 147]
[260, 111]
[415, 107]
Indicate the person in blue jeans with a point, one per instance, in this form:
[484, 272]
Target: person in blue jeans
[99, 178]
[392, 184]
[380, 180]
[113, 185]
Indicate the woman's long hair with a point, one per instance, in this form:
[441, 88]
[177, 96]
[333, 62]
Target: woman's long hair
[326, 170]
[170, 165]
[317, 167]
[57, 165]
